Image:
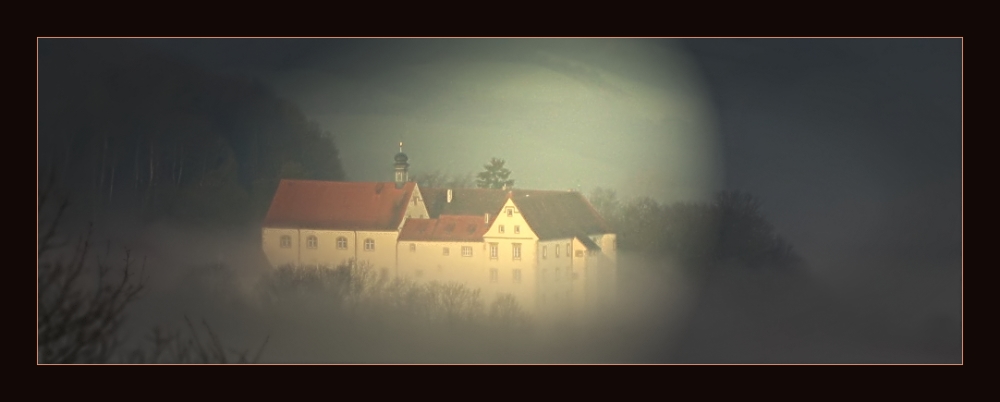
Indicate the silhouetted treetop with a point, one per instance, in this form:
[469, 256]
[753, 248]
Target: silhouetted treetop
[494, 175]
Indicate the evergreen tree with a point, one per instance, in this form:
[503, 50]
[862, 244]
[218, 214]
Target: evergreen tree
[495, 175]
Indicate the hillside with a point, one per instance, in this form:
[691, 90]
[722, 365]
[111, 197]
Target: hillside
[129, 131]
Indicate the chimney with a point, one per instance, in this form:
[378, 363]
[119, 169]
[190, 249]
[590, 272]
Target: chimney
[449, 196]
[487, 218]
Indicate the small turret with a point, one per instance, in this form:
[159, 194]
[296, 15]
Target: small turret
[402, 167]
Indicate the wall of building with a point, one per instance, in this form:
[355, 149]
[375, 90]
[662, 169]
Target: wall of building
[327, 252]
[426, 261]
[415, 207]
[505, 233]
[277, 255]
[555, 273]
[383, 257]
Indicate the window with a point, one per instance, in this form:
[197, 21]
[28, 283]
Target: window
[369, 245]
[413, 247]
[286, 241]
[517, 229]
[445, 251]
[579, 253]
[466, 251]
[311, 242]
[494, 275]
[342, 243]
[510, 211]
[501, 229]
[545, 251]
[557, 251]
[517, 276]
[517, 251]
[494, 251]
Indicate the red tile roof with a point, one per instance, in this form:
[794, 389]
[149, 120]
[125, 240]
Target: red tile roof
[445, 228]
[338, 205]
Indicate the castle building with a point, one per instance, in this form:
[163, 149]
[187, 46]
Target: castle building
[550, 249]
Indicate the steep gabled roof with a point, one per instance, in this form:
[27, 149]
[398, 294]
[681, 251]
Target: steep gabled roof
[445, 228]
[465, 201]
[559, 214]
[338, 205]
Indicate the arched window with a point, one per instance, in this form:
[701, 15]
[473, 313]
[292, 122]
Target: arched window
[311, 242]
[369, 245]
[342, 243]
[286, 241]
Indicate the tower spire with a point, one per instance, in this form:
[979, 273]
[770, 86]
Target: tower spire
[401, 167]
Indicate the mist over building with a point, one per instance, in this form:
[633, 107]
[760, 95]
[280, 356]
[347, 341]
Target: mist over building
[550, 249]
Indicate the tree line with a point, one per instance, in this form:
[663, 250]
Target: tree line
[731, 228]
[129, 129]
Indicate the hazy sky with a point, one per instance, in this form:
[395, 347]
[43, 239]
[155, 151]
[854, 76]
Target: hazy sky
[849, 142]
[564, 113]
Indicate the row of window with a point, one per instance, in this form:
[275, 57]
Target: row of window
[545, 251]
[467, 250]
[313, 242]
[495, 275]
[517, 229]
[515, 251]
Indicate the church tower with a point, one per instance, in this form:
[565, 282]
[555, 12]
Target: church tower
[402, 167]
